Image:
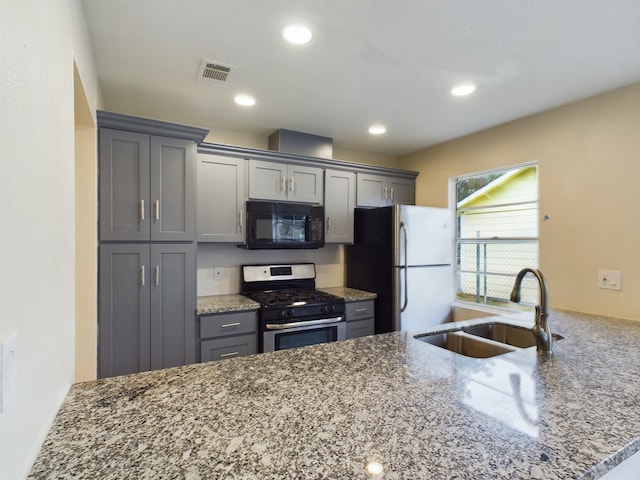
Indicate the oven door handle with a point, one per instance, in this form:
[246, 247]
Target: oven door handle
[323, 321]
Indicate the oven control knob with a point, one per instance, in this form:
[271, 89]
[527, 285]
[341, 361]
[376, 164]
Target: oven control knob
[286, 313]
[323, 309]
[332, 308]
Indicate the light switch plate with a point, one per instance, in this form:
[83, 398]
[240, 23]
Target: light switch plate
[8, 371]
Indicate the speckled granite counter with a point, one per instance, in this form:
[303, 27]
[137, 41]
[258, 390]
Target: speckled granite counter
[323, 412]
[224, 303]
[349, 294]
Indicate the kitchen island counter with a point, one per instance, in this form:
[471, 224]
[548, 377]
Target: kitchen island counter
[328, 411]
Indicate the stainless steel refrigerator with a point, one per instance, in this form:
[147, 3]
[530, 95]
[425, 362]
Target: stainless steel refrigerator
[405, 254]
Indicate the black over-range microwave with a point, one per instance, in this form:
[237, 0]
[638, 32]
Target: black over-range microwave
[284, 225]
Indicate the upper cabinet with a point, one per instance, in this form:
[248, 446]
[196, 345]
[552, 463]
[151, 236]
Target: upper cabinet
[221, 198]
[147, 182]
[380, 190]
[285, 182]
[340, 200]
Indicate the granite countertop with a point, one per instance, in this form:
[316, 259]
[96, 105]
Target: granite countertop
[349, 294]
[326, 411]
[210, 304]
[224, 303]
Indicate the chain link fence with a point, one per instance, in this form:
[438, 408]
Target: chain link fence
[486, 270]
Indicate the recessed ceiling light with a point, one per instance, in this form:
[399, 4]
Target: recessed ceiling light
[245, 100]
[297, 34]
[463, 89]
[377, 129]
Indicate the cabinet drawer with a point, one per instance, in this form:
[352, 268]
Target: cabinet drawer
[358, 310]
[228, 324]
[360, 328]
[231, 347]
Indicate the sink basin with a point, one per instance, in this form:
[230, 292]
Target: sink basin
[520, 337]
[468, 345]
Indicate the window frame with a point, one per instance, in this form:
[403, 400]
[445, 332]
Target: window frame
[483, 300]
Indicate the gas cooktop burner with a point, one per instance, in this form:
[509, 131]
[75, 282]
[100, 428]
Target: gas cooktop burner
[291, 297]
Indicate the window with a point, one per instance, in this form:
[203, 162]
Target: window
[497, 233]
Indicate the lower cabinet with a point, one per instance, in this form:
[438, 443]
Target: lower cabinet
[360, 318]
[147, 296]
[228, 335]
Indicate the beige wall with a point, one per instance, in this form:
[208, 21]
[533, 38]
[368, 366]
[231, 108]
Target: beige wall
[589, 172]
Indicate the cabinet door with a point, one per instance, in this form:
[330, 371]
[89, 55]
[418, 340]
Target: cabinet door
[173, 186]
[402, 191]
[340, 200]
[221, 198]
[124, 315]
[304, 184]
[173, 303]
[267, 180]
[371, 190]
[124, 185]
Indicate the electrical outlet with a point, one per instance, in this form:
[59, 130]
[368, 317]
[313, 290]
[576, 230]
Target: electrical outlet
[610, 279]
[218, 273]
[8, 371]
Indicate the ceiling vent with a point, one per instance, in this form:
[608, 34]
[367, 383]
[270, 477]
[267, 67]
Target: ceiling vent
[211, 71]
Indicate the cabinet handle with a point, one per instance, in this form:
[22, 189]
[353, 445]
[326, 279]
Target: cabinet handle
[291, 183]
[141, 209]
[359, 310]
[157, 275]
[227, 325]
[240, 219]
[157, 209]
[384, 196]
[230, 354]
[328, 223]
[142, 275]
[283, 183]
[391, 194]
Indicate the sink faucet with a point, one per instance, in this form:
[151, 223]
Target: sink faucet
[541, 330]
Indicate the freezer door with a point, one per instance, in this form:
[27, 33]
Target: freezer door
[427, 300]
[423, 236]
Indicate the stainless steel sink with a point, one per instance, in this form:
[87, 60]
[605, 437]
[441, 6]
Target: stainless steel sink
[520, 337]
[468, 345]
[484, 340]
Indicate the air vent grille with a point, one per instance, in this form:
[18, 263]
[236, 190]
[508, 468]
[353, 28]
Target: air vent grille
[214, 71]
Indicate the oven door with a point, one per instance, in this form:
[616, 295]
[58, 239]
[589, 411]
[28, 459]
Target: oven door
[300, 333]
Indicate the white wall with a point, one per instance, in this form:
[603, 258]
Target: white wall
[39, 42]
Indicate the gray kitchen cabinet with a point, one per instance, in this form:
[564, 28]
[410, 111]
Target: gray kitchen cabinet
[147, 186]
[146, 298]
[285, 182]
[221, 198]
[380, 190]
[228, 335]
[340, 200]
[360, 318]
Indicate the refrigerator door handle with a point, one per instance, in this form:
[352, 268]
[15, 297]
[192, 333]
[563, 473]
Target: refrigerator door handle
[403, 230]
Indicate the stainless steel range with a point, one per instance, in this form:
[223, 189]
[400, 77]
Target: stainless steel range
[292, 312]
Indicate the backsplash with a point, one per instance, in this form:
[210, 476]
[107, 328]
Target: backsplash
[228, 259]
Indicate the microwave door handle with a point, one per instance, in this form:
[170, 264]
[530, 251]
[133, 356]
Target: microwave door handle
[403, 234]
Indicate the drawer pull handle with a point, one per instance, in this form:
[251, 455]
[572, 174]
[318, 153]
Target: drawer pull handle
[227, 325]
[359, 310]
[157, 209]
[230, 354]
[142, 209]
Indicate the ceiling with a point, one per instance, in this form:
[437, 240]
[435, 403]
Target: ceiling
[368, 62]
